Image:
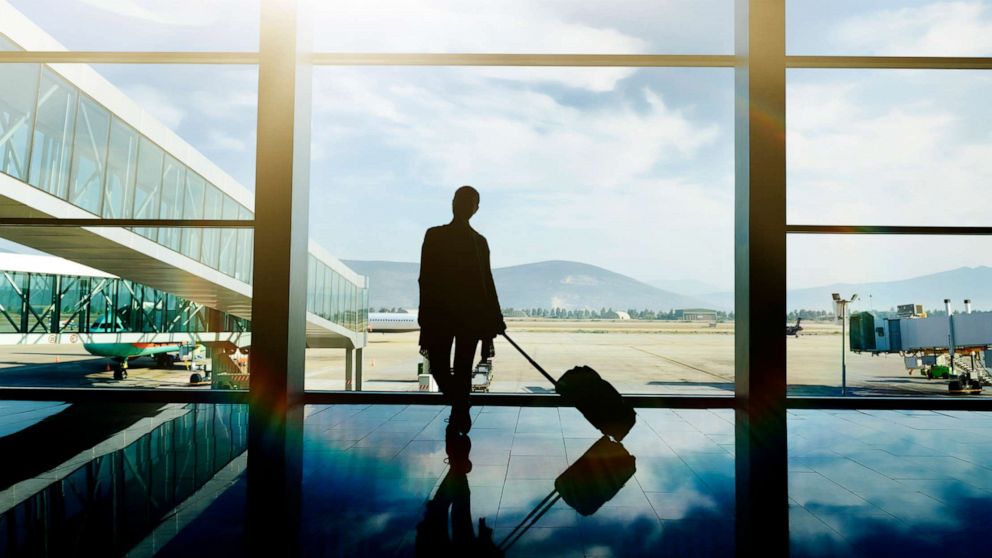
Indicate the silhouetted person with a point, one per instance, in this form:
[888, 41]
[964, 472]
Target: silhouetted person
[458, 302]
[453, 496]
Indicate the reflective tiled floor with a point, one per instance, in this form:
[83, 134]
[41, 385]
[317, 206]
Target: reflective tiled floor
[387, 481]
[890, 483]
[373, 469]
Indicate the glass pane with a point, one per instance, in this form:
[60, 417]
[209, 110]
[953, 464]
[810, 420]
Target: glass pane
[228, 239]
[877, 483]
[163, 25]
[173, 192]
[889, 27]
[53, 135]
[897, 338]
[148, 185]
[539, 26]
[118, 197]
[192, 209]
[89, 156]
[608, 251]
[18, 95]
[212, 207]
[878, 147]
[244, 250]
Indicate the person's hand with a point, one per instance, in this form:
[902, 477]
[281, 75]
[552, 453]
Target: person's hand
[501, 327]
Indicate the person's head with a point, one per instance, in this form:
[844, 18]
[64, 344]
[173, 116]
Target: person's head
[465, 203]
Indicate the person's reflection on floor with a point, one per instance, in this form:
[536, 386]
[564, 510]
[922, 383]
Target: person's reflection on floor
[433, 538]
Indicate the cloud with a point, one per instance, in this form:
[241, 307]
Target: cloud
[939, 29]
[460, 127]
[164, 13]
[157, 102]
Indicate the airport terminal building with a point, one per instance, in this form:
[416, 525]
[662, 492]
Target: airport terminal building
[187, 370]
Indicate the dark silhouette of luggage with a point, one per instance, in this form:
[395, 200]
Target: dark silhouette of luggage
[597, 400]
[594, 479]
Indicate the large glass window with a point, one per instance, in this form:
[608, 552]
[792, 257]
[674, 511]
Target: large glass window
[89, 156]
[607, 202]
[18, 95]
[122, 159]
[54, 125]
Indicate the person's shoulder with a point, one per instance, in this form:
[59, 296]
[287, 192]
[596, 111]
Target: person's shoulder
[434, 231]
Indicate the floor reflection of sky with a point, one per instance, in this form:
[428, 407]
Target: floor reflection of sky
[890, 483]
[373, 469]
[861, 483]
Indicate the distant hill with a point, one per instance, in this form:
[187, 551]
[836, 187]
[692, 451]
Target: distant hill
[929, 290]
[563, 284]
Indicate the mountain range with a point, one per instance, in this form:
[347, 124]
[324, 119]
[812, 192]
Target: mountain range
[574, 285]
[551, 284]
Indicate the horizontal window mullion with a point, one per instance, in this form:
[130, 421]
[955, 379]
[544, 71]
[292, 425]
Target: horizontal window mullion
[117, 395]
[152, 223]
[497, 59]
[890, 62]
[960, 403]
[867, 229]
[103, 57]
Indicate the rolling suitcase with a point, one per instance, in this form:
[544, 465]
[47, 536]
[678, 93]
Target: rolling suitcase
[594, 479]
[597, 400]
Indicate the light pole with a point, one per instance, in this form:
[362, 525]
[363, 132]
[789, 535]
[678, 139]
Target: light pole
[840, 309]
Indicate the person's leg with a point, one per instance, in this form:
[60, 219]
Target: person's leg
[461, 381]
[465, 347]
[439, 361]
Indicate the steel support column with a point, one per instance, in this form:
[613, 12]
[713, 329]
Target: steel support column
[349, 359]
[762, 464]
[359, 356]
[279, 293]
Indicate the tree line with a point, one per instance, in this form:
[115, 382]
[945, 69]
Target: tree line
[603, 313]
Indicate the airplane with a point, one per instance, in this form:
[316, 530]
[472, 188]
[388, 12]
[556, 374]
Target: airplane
[121, 353]
[794, 329]
[390, 322]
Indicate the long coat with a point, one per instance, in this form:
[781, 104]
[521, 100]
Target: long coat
[457, 293]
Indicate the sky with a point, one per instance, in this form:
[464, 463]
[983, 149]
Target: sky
[629, 169]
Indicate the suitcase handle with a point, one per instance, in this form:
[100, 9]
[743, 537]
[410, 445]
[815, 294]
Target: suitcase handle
[553, 381]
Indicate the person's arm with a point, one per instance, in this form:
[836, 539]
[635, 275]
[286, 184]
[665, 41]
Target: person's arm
[427, 281]
[497, 311]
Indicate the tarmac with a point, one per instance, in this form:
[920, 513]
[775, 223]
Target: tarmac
[646, 357]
